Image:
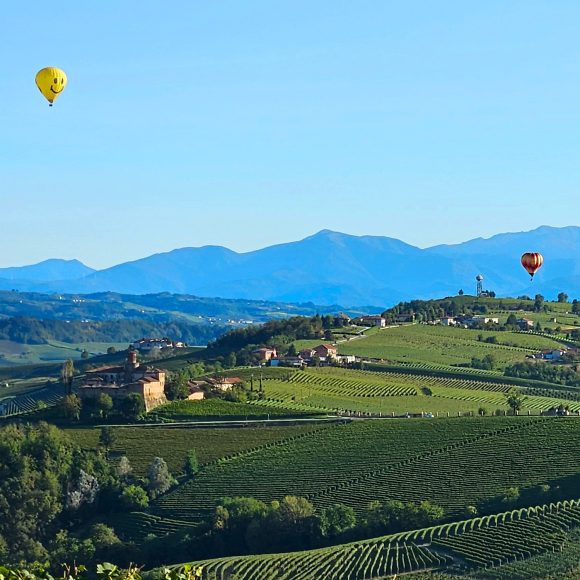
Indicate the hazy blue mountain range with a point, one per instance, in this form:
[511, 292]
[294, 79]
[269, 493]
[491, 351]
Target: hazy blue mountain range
[46, 271]
[328, 268]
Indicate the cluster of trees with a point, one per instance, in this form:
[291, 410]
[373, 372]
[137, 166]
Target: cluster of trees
[104, 571]
[429, 310]
[561, 375]
[50, 488]
[176, 386]
[72, 408]
[276, 333]
[26, 330]
[516, 497]
[47, 485]
[245, 525]
[487, 362]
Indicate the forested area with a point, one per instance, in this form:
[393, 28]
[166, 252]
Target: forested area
[276, 333]
[33, 331]
[559, 374]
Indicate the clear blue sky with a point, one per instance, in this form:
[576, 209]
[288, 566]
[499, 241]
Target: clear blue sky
[245, 124]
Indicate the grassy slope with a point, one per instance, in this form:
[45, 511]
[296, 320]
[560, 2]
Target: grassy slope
[441, 345]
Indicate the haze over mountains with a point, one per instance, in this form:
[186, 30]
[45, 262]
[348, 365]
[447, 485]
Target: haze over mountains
[328, 268]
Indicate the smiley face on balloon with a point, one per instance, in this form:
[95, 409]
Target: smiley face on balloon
[51, 82]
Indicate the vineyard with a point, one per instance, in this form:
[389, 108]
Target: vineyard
[27, 403]
[333, 389]
[212, 409]
[446, 346]
[142, 444]
[463, 547]
[452, 462]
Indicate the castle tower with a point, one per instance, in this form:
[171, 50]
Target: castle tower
[130, 365]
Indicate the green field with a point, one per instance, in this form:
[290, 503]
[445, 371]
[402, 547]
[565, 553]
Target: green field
[442, 345]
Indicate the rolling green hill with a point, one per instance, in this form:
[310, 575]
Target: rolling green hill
[489, 547]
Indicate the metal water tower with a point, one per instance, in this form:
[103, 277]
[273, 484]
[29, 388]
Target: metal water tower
[479, 279]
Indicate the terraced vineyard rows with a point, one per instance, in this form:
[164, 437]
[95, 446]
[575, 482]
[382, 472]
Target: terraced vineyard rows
[565, 561]
[524, 534]
[272, 473]
[470, 471]
[532, 402]
[480, 542]
[142, 444]
[27, 403]
[136, 526]
[475, 460]
[333, 389]
[443, 367]
[367, 386]
[374, 559]
[215, 409]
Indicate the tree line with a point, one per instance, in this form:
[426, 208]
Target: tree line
[276, 333]
[429, 310]
[26, 330]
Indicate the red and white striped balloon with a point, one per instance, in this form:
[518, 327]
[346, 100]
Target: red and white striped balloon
[532, 262]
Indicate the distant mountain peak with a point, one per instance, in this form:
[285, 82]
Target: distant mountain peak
[47, 270]
[328, 267]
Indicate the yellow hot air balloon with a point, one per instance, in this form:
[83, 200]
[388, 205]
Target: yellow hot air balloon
[51, 82]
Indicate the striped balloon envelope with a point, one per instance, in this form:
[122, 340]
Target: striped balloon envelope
[532, 262]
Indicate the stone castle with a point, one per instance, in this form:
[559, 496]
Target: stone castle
[120, 381]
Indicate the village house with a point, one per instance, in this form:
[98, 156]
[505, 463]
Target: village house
[525, 323]
[265, 353]
[224, 383]
[374, 320]
[307, 353]
[553, 354]
[146, 345]
[342, 319]
[345, 359]
[292, 361]
[196, 390]
[120, 381]
[480, 319]
[325, 351]
[448, 321]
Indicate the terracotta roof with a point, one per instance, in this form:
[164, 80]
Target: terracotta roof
[224, 380]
